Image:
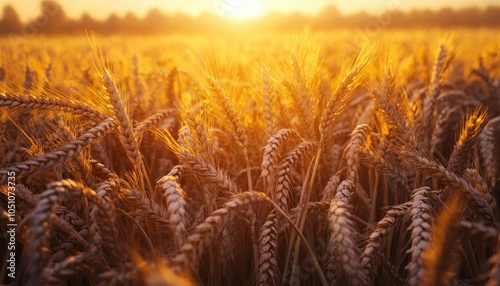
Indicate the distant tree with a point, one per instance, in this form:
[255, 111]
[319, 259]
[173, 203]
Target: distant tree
[445, 17]
[10, 22]
[492, 16]
[330, 17]
[209, 22]
[72, 26]
[182, 23]
[112, 25]
[470, 16]
[417, 18]
[155, 21]
[358, 20]
[132, 24]
[52, 19]
[88, 23]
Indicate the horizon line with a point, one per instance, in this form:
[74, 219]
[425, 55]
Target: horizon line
[211, 12]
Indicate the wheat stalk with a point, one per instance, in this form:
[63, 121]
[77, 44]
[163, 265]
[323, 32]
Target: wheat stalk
[439, 267]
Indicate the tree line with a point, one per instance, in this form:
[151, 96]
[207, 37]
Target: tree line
[53, 20]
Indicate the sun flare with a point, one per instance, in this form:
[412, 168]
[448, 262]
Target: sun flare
[244, 9]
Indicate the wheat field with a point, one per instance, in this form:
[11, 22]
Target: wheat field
[304, 158]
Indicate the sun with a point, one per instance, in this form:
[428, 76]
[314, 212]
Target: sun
[244, 9]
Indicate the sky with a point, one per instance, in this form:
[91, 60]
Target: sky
[100, 9]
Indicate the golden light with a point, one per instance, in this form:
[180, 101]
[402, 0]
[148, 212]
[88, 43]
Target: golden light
[244, 9]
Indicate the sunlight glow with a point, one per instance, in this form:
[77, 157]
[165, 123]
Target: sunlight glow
[244, 9]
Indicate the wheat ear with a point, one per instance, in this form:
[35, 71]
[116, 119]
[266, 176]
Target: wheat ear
[53, 158]
[427, 115]
[373, 249]
[30, 102]
[269, 273]
[153, 120]
[207, 231]
[420, 227]
[272, 151]
[470, 130]
[176, 206]
[487, 150]
[343, 235]
[235, 124]
[127, 135]
[270, 101]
